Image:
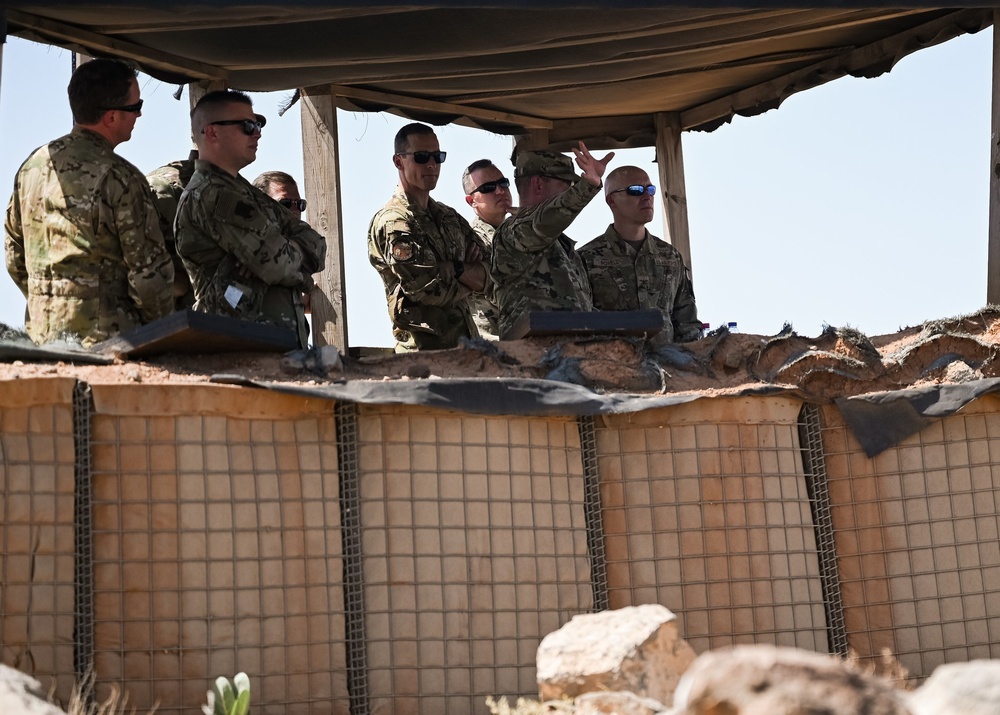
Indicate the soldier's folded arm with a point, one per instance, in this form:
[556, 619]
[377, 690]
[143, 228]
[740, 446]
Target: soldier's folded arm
[426, 283]
[144, 251]
[257, 242]
[309, 241]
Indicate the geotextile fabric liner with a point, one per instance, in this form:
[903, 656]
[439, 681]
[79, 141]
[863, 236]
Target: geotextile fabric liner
[917, 535]
[37, 540]
[706, 512]
[217, 546]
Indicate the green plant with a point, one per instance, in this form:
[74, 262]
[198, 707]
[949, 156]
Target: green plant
[229, 698]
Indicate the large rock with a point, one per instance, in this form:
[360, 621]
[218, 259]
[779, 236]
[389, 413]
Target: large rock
[17, 695]
[971, 688]
[634, 649]
[767, 680]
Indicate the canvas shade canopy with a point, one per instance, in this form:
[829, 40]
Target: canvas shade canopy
[613, 74]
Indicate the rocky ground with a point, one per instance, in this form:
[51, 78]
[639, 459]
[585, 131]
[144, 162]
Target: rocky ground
[839, 362]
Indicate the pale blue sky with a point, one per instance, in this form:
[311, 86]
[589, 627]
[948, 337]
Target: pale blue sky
[861, 202]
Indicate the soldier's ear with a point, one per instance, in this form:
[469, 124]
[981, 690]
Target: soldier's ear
[396, 161]
[468, 199]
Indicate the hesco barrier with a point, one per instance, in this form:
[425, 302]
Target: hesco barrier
[382, 558]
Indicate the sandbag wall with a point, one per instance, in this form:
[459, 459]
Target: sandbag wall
[361, 558]
[917, 533]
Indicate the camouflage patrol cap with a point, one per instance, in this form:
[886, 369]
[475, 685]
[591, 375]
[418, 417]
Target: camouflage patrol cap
[544, 163]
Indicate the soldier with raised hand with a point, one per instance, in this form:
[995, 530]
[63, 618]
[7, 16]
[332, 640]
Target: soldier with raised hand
[83, 242]
[631, 269]
[247, 256]
[487, 191]
[429, 258]
[535, 265]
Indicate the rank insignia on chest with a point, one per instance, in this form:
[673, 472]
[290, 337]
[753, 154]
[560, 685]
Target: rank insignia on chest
[402, 251]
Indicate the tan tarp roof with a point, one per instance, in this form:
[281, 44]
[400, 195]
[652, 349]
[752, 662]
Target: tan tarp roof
[596, 71]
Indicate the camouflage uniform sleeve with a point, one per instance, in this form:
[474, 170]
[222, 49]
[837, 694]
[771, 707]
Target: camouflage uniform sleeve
[413, 262]
[14, 243]
[127, 209]
[250, 235]
[687, 327]
[309, 241]
[539, 229]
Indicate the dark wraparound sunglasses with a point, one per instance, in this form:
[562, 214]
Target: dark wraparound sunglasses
[134, 108]
[638, 190]
[490, 186]
[250, 126]
[422, 157]
[299, 204]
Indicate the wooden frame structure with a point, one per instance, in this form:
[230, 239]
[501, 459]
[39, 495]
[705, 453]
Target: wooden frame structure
[700, 66]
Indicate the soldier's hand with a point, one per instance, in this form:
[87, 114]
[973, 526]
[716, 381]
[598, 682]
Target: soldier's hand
[245, 272]
[591, 168]
[473, 254]
[474, 277]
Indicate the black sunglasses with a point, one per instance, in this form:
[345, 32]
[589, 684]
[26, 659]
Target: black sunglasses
[638, 190]
[250, 126]
[290, 204]
[422, 157]
[490, 186]
[134, 108]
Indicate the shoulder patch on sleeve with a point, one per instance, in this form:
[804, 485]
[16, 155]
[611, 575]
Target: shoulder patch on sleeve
[233, 208]
[402, 250]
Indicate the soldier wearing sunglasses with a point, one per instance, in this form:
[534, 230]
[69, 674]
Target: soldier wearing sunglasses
[630, 269]
[248, 257]
[487, 191]
[83, 240]
[429, 258]
[168, 182]
[535, 265]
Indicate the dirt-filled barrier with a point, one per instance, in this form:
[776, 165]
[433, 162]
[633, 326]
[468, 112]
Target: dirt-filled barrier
[367, 557]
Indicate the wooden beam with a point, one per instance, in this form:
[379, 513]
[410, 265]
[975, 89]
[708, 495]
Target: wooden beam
[993, 252]
[670, 161]
[771, 93]
[147, 56]
[321, 156]
[400, 100]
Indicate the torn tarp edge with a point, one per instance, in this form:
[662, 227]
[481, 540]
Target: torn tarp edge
[505, 396]
[881, 420]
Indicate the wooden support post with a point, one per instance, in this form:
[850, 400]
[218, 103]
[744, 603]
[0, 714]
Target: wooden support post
[670, 160]
[321, 154]
[993, 253]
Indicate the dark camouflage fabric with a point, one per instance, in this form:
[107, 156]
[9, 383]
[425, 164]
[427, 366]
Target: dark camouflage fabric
[84, 244]
[248, 257]
[429, 310]
[168, 184]
[535, 265]
[484, 310]
[623, 277]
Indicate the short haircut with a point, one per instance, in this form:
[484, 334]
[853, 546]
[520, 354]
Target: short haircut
[265, 181]
[96, 86]
[402, 141]
[208, 105]
[467, 184]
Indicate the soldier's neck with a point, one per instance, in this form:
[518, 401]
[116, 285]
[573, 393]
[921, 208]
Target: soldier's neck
[418, 197]
[632, 232]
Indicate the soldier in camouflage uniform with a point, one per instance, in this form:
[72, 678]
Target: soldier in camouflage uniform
[167, 183]
[83, 242]
[487, 191]
[248, 256]
[282, 188]
[535, 265]
[630, 269]
[428, 256]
